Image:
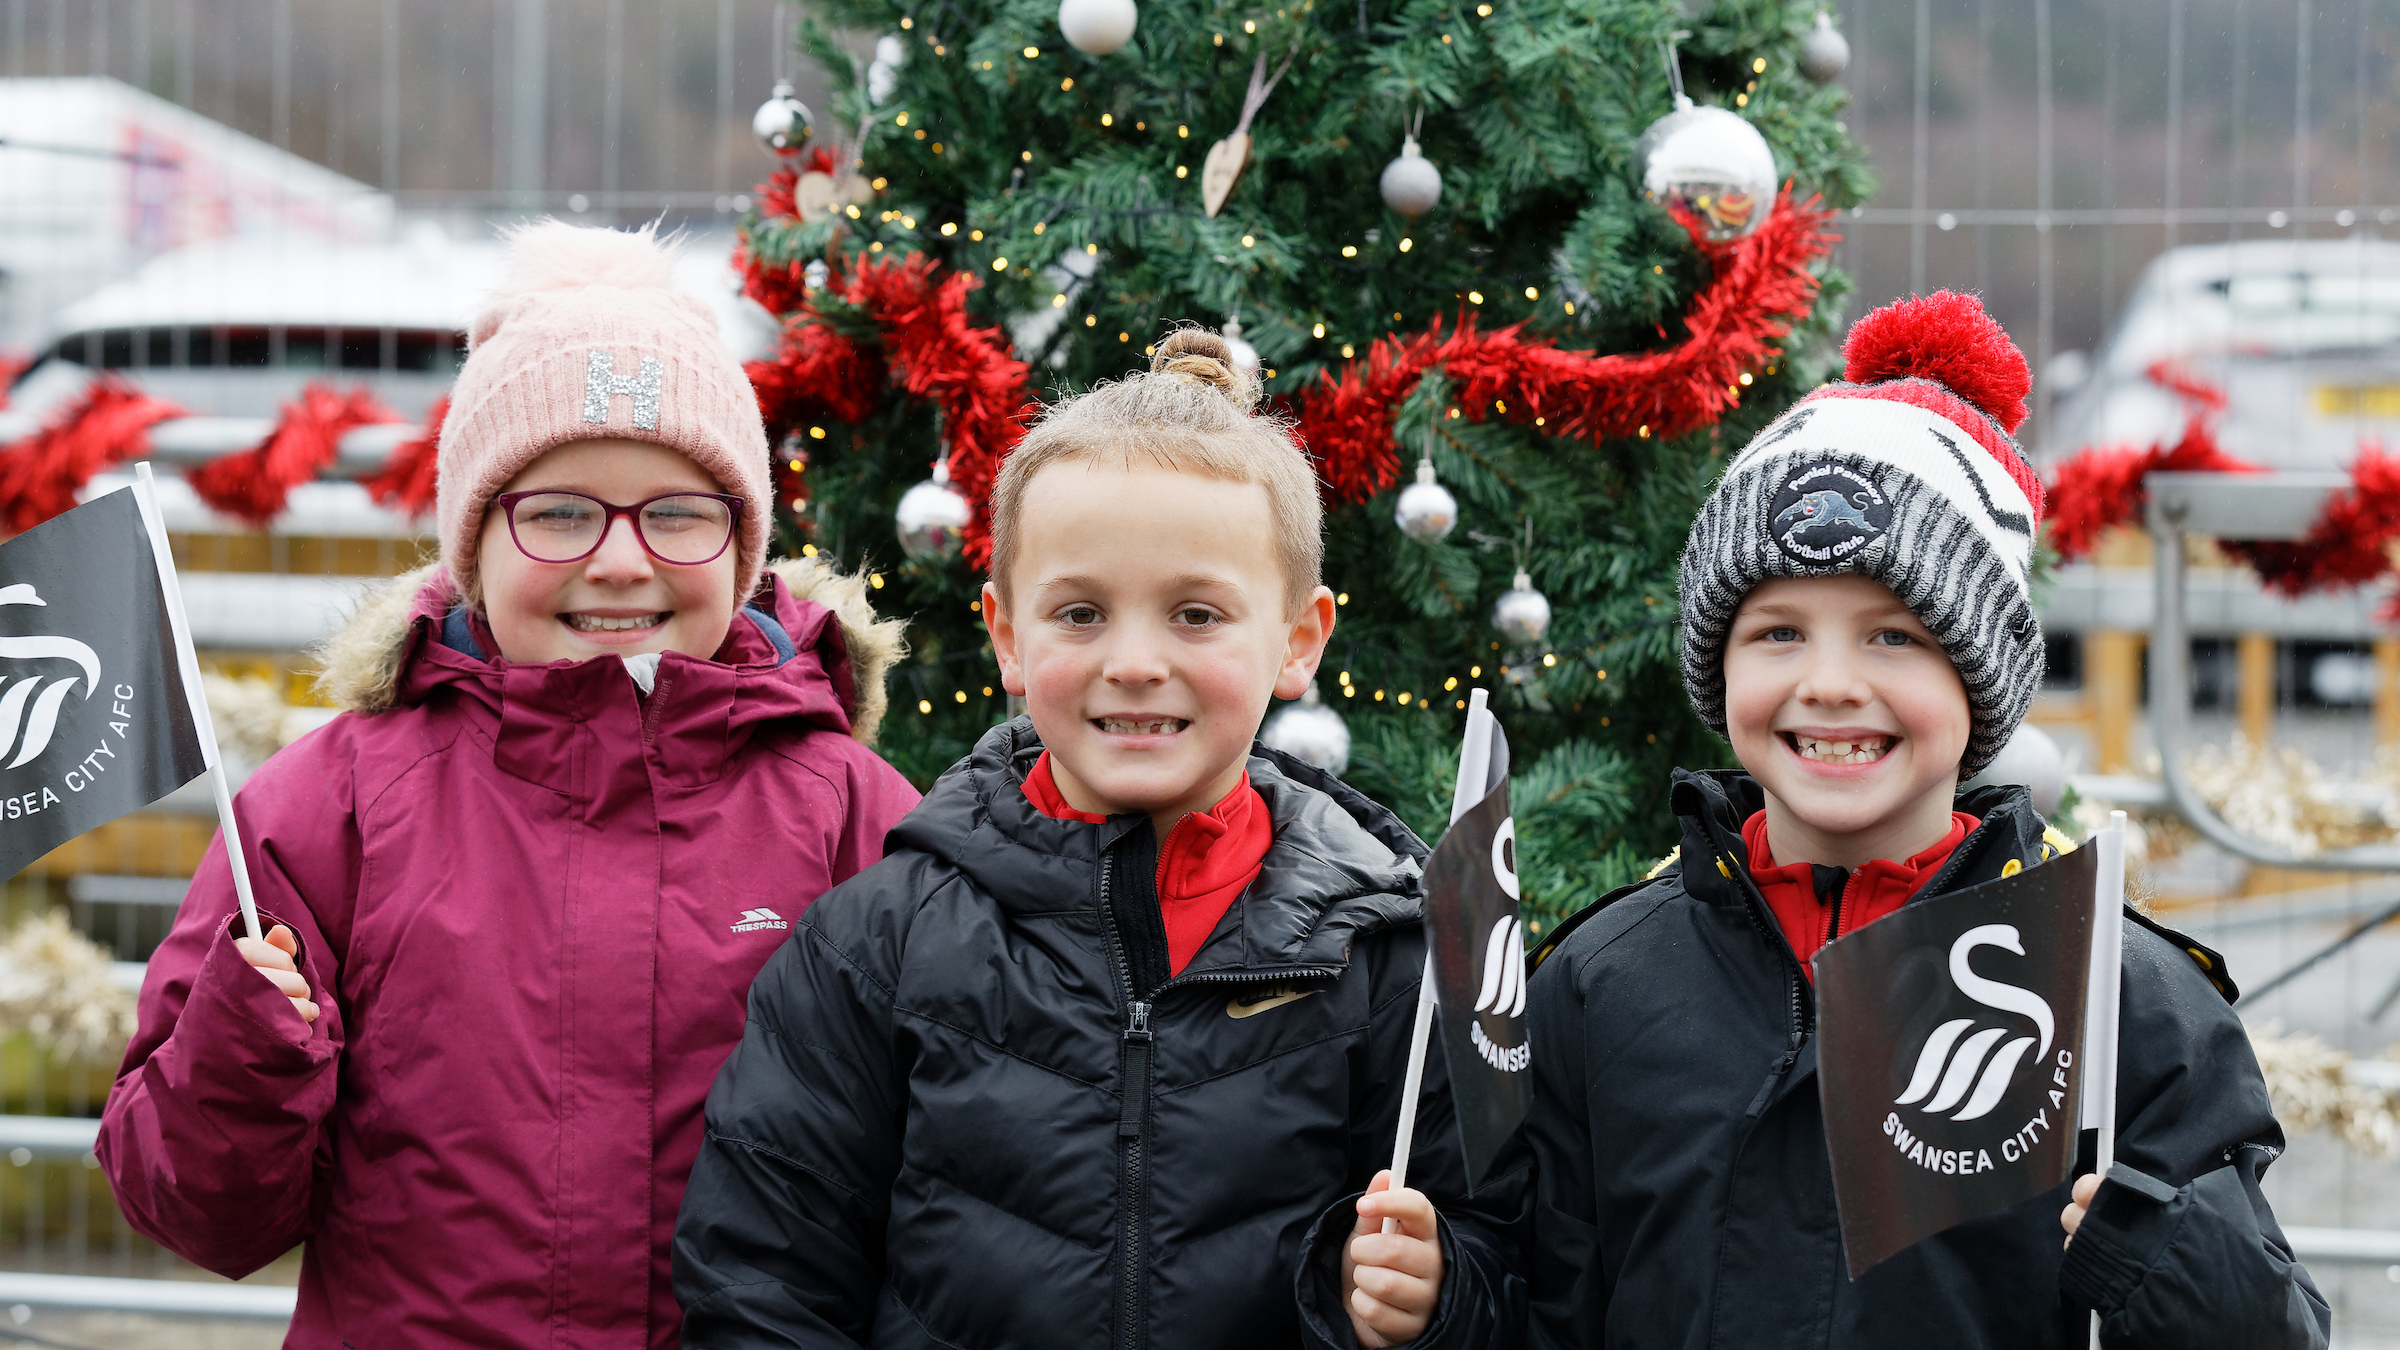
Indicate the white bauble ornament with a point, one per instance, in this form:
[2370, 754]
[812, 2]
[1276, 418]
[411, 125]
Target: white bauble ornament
[1522, 614]
[931, 515]
[783, 123]
[1097, 27]
[1412, 185]
[1426, 512]
[1824, 53]
[1310, 732]
[1245, 357]
[2030, 760]
[883, 75]
[1712, 164]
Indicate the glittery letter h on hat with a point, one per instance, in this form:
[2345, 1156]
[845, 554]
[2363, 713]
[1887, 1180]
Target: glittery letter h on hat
[588, 339]
[1903, 471]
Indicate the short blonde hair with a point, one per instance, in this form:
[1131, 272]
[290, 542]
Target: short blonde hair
[1191, 412]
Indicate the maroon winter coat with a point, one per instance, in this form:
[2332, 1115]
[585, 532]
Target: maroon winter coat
[531, 903]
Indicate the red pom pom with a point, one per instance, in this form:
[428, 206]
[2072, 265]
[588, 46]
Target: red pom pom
[1949, 339]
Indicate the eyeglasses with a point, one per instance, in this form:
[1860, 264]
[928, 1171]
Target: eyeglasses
[684, 528]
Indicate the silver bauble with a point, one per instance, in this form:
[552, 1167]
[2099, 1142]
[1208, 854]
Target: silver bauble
[2030, 760]
[1712, 164]
[1245, 357]
[1412, 185]
[1824, 53]
[1522, 614]
[1426, 511]
[883, 74]
[1097, 27]
[783, 123]
[1310, 732]
[930, 516]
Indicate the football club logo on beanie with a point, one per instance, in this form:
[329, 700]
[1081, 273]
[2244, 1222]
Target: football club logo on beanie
[1825, 514]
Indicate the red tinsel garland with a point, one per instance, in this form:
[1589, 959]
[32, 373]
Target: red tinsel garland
[40, 475]
[406, 481]
[1762, 287]
[254, 484]
[927, 346]
[2346, 546]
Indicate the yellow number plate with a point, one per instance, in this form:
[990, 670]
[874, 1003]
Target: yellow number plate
[2358, 400]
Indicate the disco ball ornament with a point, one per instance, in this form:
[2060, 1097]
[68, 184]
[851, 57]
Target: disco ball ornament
[931, 516]
[782, 123]
[1426, 511]
[1522, 614]
[2030, 760]
[1824, 53]
[1412, 185]
[883, 74]
[1245, 357]
[1710, 163]
[1097, 27]
[1310, 732]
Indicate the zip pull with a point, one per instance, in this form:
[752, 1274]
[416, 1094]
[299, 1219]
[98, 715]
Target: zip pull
[1134, 1112]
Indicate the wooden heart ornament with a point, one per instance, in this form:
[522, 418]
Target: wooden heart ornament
[818, 193]
[1222, 169]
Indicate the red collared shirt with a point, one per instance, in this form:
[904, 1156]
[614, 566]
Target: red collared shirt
[1877, 889]
[1204, 863]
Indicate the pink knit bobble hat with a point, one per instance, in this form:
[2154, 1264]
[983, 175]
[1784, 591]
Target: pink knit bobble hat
[587, 339]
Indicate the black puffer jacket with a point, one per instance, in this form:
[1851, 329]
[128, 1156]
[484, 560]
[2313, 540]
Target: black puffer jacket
[971, 1110]
[1685, 1198]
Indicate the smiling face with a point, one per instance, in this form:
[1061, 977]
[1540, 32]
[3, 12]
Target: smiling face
[1848, 713]
[620, 601]
[1146, 625]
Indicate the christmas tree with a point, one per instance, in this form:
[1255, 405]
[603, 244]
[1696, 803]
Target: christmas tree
[990, 215]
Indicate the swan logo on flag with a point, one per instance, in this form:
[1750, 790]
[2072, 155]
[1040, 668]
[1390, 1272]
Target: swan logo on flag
[1955, 1072]
[1947, 1039]
[96, 718]
[1479, 969]
[34, 684]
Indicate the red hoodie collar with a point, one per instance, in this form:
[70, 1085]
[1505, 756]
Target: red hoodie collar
[1204, 863]
[1875, 889]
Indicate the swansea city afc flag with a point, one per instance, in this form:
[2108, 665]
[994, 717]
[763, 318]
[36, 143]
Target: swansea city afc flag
[1479, 968]
[96, 692]
[1947, 1056]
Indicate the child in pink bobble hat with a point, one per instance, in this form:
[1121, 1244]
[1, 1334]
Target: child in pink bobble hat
[593, 763]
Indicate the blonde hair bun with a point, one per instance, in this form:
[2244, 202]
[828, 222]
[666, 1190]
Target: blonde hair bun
[1204, 356]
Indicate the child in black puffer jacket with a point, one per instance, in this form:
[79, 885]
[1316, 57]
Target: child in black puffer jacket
[1857, 622]
[1109, 1050]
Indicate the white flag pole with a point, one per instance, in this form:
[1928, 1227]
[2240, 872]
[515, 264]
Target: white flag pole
[1474, 765]
[145, 494]
[2100, 1008]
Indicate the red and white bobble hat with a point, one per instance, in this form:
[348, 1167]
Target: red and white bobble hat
[1903, 471]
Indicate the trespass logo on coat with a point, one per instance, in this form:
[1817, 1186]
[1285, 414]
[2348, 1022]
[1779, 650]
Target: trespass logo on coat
[1947, 1056]
[96, 717]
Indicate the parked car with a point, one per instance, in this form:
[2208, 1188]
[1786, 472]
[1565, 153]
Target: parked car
[2302, 336]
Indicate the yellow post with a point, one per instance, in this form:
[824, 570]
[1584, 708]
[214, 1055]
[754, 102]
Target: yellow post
[2115, 674]
[2255, 655]
[2387, 691]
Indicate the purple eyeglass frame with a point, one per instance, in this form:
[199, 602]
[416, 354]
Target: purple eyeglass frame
[507, 502]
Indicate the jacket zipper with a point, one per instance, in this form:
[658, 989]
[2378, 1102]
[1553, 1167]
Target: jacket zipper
[1135, 1045]
[1760, 918]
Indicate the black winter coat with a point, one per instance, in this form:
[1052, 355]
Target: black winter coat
[970, 1108]
[1685, 1198]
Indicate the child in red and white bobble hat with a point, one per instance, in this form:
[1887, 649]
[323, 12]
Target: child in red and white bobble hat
[594, 764]
[1858, 623]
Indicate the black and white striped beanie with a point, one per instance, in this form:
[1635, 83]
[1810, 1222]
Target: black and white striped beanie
[1903, 471]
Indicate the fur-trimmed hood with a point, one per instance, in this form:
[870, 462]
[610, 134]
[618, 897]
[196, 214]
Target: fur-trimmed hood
[365, 664]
